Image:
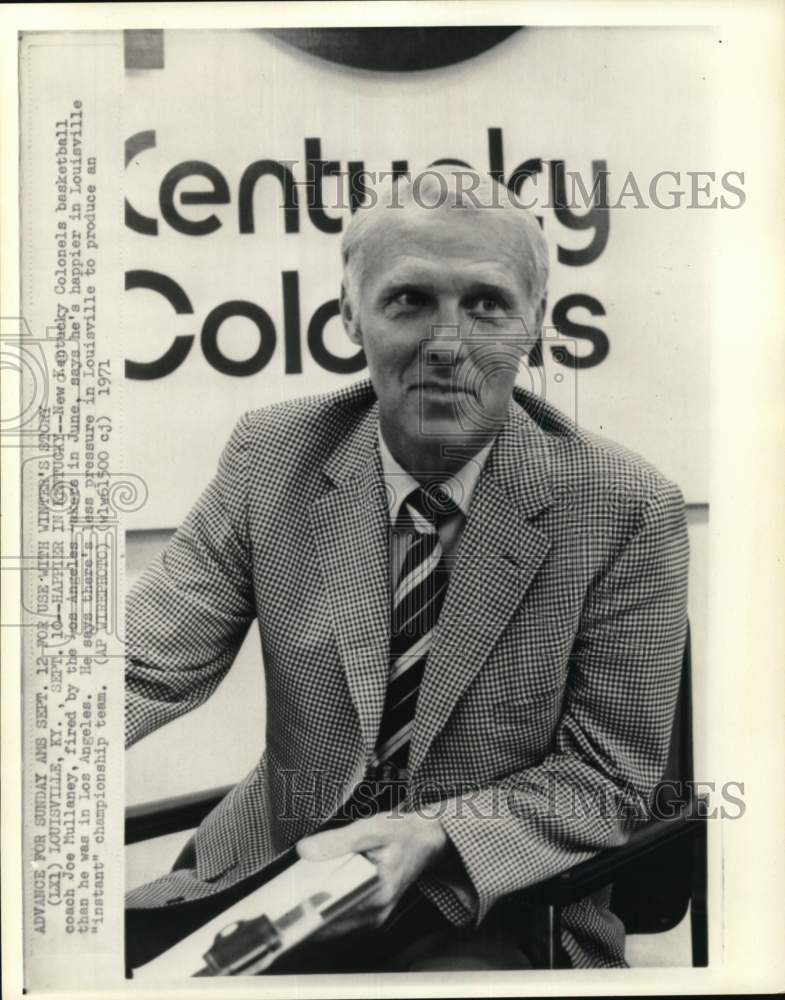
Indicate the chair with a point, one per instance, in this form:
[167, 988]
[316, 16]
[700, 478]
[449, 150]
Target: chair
[662, 869]
[656, 875]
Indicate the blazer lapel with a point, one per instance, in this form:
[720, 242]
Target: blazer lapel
[499, 554]
[350, 530]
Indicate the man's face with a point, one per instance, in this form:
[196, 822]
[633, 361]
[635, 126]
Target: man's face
[443, 311]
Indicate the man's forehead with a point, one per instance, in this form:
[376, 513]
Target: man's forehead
[409, 267]
[409, 244]
[445, 222]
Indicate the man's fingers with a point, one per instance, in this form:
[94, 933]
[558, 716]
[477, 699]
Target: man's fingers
[389, 855]
[361, 835]
[364, 919]
[333, 930]
[375, 854]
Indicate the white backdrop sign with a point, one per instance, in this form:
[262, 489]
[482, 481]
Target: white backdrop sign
[232, 276]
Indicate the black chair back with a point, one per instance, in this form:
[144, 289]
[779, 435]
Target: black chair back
[653, 895]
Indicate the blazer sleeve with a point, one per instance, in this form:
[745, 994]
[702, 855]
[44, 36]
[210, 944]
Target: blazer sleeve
[188, 614]
[611, 744]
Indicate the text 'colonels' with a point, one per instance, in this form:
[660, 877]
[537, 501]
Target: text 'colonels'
[306, 202]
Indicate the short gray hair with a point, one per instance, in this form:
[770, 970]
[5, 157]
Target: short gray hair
[446, 188]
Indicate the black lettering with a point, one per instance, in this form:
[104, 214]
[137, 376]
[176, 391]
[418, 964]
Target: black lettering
[134, 145]
[357, 189]
[213, 323]
[522, 173]
[451, 163]
[316, 169]
[569, 328]
[218, 196]
[180, 346]
[399, 168]
[271, 168]
[596, 218]
[316, 345]
[291, 322]
[495, 155]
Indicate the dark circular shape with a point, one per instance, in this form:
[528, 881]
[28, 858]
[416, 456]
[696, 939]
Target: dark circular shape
[394, 50]
[324, 358]
[265, 328]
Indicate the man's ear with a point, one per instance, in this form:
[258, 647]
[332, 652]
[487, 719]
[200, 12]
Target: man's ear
[539, 316]
[534, 353]
[350, 323]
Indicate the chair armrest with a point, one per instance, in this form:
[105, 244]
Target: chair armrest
[163, 816]
[606, 866]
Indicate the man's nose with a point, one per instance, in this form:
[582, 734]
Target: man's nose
[445, 322]
[443, 350]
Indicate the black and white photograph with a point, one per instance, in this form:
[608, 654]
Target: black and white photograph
[448, 535]
[376, 505]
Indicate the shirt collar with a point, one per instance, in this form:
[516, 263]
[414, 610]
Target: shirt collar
[400, 483]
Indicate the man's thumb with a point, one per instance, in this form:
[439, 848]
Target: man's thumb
[362, 835]
[321, 846]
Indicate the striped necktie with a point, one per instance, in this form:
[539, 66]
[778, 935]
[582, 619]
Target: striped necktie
[417, 601]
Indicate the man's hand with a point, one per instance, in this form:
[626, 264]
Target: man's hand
[401, 846]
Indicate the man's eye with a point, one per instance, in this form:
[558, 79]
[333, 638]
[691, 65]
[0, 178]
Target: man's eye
[409, 300]
[487, 305]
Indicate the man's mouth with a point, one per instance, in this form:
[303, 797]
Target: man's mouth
[441, 389]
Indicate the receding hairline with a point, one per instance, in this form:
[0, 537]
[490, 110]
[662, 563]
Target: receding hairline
[400, 195]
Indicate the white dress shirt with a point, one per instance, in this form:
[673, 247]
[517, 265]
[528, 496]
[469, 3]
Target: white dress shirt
[400, 483]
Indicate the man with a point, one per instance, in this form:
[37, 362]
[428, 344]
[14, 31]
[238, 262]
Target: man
[460, 595]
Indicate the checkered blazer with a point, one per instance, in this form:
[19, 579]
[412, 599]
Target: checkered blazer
[546, 706]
